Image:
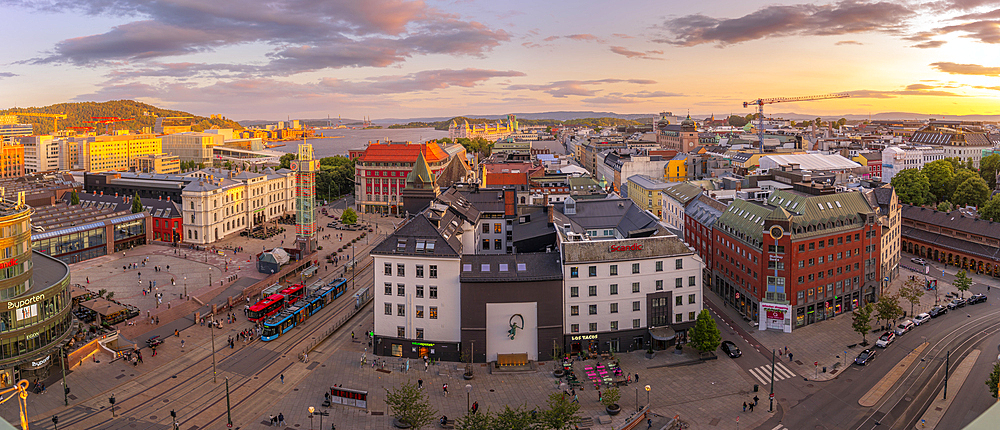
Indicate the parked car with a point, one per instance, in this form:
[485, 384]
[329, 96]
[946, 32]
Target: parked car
[919, 261]
[731, 349]
[937, 311]
[922, 318]
[331, 225]
[885, 339]
[904, 327]
[957, 303]
[865, 356]
[977, 298]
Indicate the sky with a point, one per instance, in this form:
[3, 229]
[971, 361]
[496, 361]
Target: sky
[405, 59]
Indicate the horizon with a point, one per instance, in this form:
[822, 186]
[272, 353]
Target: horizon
[412, 59]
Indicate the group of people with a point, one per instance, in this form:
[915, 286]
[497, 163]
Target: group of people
[278, 420]
[751, 404]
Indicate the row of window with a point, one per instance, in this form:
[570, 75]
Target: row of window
[401, 270]
[829, 242]
[574, 272]
[692, 281]
[497, 227]
[401, 311]
[613, 325]
[419, 290]
[636, 306]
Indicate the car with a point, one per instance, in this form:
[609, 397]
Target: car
[937, 311]
[886, 339]
[331, 225]
[957, 303]
[731, 349]
[904, 327]
[919, 261]
[977, 298]
[865, 356]
[922, 318]
[154, 341]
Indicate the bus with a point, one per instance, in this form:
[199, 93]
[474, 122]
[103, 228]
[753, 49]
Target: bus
[266, 307]
[293, 293]
[296, 314]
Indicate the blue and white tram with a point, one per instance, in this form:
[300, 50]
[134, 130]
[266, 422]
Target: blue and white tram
[294, 315]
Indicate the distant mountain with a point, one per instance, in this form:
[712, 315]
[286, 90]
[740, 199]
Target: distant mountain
[557, 115]
[886, 116]
[139, 114]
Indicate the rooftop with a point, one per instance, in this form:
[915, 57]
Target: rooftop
[541, 266]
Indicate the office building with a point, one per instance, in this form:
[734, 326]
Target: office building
[116, 153]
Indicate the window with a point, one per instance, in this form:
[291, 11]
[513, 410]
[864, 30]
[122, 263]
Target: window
[614, 289]
[400, 289]
[486, 227]
[433, 292]
[691, 281]
[486, 244]
[574, 272]
[420, 270]
[400, 270]
[433, 271]
[635, 268]
[420, 311]
[636, 306]
[678, 282]
[592, 270]
[812, 246]
[400, 310]
[690, 299]
[802, 248]
[593, 309]
[574, 310]
[420, 333]
[614, 270]
[614, 308]
[498, 228]
[574, 291]
[388, 288]
[802, 263]
[592, 290]
[635, 287]
[614, 325]
[574, 328]
[497, 243]
[388, 269]
[659, 284]
[679, 318]
[679, 263]
[400, 331]
[821, 260]
[821, 243]
[420, 291]
[691, 316]
[801, 279]
[679, 301]
[659, 266]
[388, 308]
[636, 323]
[593, 326]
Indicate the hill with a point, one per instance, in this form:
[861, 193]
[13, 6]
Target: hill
[591, 122]
[142, 114]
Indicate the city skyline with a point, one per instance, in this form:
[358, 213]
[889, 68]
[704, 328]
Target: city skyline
[393, 58]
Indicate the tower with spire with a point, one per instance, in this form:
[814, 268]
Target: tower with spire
[421, 187]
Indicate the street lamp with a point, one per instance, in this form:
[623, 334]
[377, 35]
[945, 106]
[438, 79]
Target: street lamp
[112, 401]
[55, 421]
[647, 395]
[468, 395]
[185, 287]
[311, 410]
[321, 414]
[211, 328]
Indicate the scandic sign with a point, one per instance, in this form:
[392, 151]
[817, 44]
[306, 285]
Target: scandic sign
[632, 247]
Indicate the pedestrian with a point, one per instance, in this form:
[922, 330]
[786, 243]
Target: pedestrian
[789, 356]
[182, 345]
[637, 378]
[576, 399]
[744, 406]
[420, 384]
[282, 378]
[599, 397]
[649, 423]
[270, 420]
[755, 399]
[786, 350]
[475, 407]
[281, 419]
[751, 407]
[445, 388]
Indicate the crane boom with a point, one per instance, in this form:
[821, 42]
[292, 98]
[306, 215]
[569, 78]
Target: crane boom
[55, 117]
[762, 101]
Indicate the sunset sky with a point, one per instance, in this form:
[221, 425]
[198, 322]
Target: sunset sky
[400, 59]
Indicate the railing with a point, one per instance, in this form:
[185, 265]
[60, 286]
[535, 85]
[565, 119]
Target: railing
[326, 334]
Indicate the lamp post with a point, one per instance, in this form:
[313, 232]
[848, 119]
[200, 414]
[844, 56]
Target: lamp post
[55, 421]
[112, 401]
[211, 328]
[321, 414]
[62, 361]
[311, 410]
[468, 395]
[229, 415]
[647, 395]
[185, 288]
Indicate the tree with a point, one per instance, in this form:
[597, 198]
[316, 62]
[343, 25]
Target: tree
[136, 204]
[518, 418]
[962, 282]
[991, 209]
[285, 162]
[705, 336]
[887, 309]
[841, 122]
[912, 290]
[988, 168]
[912, 187]
[945, 206]
[737, 121]
[409, 405]
[972, 192]
[110, 295]
[862, 322]
[611, 397]
[819, 122]
[349, 217]
[562, 413]
[993, 380]
[74, 199]
[940, 175]
[477, 421]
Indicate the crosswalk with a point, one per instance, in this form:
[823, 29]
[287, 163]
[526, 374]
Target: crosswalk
[780, 426]
[763, 373]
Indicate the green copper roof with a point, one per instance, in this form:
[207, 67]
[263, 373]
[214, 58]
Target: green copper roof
[421, 171]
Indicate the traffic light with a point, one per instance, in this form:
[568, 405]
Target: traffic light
[111, 399]
[173, 414]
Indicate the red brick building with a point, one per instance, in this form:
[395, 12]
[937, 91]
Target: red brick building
[805, 255]
[381, 170]
[168, 221]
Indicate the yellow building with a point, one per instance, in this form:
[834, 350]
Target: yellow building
[117, 153]
[158, 163]
[646, 191]
[675, 170]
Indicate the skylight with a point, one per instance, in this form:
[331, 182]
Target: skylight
[521, 267]
[503, 267]
[466, 267]
[838, 203]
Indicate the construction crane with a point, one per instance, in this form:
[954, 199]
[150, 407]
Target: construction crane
[761, 102]
[55, 117]
[21, 390]
[107, 120]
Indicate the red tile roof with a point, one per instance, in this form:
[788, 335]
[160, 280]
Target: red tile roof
[403, 152]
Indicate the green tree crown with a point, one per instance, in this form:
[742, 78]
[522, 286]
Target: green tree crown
[705, 336]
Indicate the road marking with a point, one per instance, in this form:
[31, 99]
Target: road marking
[779, 427]
[763, 373]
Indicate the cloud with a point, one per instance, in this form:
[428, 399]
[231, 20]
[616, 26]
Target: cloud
[7, 75]
[621, 50]
[607, 100]
[844, 17]
[653, 94]
[929, 44]
[878, 94]
[920, 87]
[997, 88]
[994, 14]
[306, 34]
[848, 42]
[966, 69]
[584, 37]
[427, 80]
[623, 36]
[987, 31]
[563, 89]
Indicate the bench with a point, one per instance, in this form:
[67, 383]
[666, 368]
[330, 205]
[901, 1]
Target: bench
[504, 360]
[450, 424]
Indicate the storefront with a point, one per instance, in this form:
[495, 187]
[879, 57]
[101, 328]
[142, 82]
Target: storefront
[417, 349]
[775, 316]
[602, 343]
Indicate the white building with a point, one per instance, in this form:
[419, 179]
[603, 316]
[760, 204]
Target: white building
[222, 202]
[41, 153]
[674, 199]
[895, 159]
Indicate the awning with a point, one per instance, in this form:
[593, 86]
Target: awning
[662, 333]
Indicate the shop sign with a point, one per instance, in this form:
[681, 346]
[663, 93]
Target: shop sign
[632, 247]
[26, 312]
[42, 362]
[32, 335]
[422, 344]
[775, 315]
[25, 302]
[9, 263]
[583, 337]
